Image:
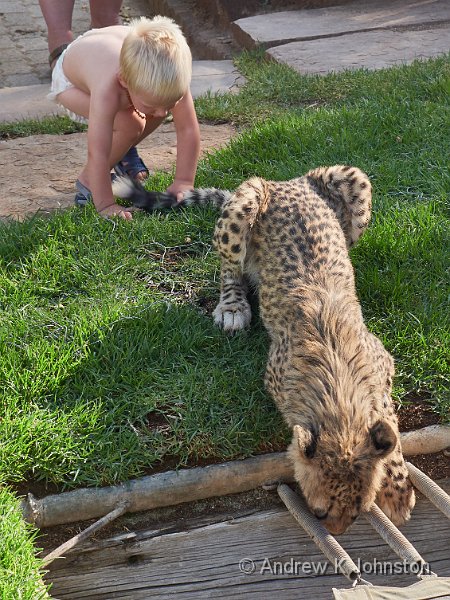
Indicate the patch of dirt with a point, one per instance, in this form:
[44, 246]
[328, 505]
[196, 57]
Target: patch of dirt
[39, 171]
[416, 413]
[227, 11]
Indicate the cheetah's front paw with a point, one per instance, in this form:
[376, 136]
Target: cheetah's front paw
[397, 501]
[232, 317]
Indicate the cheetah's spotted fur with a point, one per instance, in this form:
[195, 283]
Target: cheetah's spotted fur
[329, 376]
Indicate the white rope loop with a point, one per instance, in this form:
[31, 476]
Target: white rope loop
[396, 540]
[430, 489]
[326, 542]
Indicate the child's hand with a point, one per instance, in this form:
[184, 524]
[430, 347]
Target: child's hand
[115, 210]
[178, 189]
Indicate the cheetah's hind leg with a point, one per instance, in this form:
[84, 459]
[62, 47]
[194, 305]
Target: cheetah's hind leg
[349, 194]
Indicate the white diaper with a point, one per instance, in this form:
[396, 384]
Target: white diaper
[60, 84]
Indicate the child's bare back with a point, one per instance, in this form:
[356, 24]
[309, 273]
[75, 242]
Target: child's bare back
[92, 62]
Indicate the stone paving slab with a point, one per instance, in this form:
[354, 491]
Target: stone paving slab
[25, 102]
[369, 50]
[23, 38]
[278, 28]
[215, 76]
[23, 35]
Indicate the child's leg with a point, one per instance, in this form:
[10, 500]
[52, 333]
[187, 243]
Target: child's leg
[150, 126]
[75, 100]
[128, 128]
[131, 163]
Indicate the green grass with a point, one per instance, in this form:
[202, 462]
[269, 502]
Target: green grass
[19, 567]
[274, 89]
[112, 338]
[111, 365]
[49, 125]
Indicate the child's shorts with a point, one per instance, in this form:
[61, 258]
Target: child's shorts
[60, 84]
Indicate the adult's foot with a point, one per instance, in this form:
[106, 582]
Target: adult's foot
[55, 54]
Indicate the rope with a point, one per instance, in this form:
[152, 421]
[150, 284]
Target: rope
[396, 540]
[430, 489]
[379, 521]
[326, 542]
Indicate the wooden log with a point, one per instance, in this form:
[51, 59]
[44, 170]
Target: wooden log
[155, 491]
[427, 440]
[187, 485]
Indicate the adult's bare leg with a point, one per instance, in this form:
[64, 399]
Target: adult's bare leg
[58, 18]
[105, 13]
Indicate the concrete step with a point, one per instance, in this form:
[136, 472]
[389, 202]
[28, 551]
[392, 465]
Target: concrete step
[273, 29]
[370, 50]
[215, 76]
[206, 38]
[25, 102]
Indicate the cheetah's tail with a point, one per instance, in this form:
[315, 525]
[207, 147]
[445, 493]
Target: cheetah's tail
[350, 194]
[126, 188]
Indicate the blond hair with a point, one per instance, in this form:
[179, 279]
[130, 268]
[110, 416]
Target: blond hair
[156, 58]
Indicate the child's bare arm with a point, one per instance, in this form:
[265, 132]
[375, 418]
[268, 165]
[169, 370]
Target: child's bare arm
[188, 144]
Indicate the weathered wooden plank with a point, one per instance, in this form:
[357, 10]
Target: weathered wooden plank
[204, 562]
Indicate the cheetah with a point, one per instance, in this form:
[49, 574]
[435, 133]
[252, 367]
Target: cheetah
[328, 375]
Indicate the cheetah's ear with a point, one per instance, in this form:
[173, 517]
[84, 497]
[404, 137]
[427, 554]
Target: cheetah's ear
[383, 438]
[306, 440]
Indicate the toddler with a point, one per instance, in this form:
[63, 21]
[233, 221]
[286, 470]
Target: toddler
[123, 80]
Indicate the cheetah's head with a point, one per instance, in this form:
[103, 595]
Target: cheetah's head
[340, 475]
